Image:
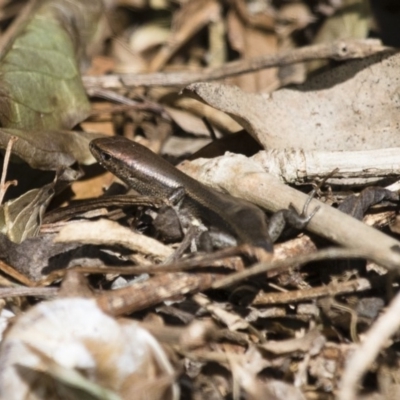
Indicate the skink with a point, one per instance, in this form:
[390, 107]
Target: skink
[151, 175]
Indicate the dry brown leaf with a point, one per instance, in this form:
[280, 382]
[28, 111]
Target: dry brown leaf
[261, 16]
[192, 17]
[352, 107]
[251, 42]
[291, 18]
[50, 149]
[126, 60]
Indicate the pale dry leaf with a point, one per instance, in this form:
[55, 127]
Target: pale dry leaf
[149, 35]
[126, 61]
[188, 122]
[134, 55]
[144, 4]
[233, 321]
[280, 390]
[6, 317]
[74, 335]
[292, 17]
[313, 341]
[21, 218]
[327, 369]
[245, 370]
[176, 146]
[217, 118]
[108, 233]
[352, 107]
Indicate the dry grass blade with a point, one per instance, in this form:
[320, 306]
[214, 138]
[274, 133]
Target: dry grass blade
[3, 184]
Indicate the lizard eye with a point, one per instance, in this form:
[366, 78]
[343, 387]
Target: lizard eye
[105, 156]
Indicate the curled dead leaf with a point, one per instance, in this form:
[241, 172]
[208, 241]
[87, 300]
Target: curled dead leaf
[352, 107]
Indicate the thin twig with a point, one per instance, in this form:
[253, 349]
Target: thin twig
[28, 291]
[83, 206]
[297, 296]
[331, 253]
[339, 50]
[145, 105]
[163, 287]
[217, 259]
[13, 273]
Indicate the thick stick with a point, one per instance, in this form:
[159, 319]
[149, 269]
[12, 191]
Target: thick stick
[244, 178]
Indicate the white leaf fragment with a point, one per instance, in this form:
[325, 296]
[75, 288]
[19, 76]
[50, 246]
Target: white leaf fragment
[73, 334]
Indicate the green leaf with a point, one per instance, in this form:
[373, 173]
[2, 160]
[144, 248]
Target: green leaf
[40, 83]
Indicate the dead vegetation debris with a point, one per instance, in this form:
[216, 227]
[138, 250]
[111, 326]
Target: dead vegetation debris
[109, 293]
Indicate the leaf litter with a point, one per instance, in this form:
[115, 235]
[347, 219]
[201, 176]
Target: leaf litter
[317, 319]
